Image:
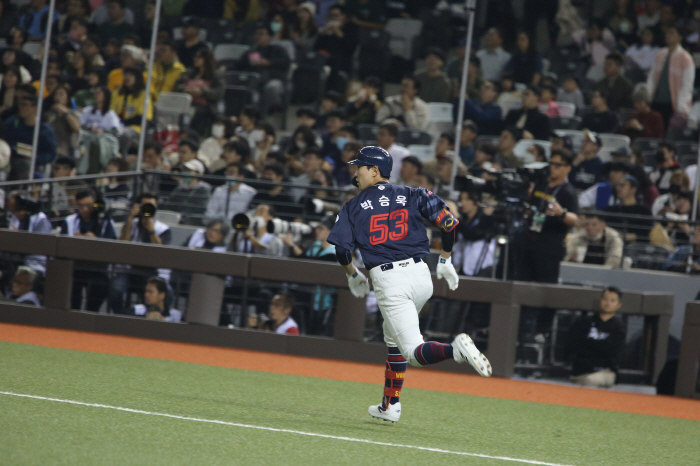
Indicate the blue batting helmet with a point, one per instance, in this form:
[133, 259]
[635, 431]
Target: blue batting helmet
[374, 156]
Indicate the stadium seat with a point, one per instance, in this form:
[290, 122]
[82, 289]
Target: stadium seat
[230, 51]
[242, 78]
[487, 140]
[649, 157]
[509, 104]
[423, 152]
[403, 33]
[614, 141]
[368, 133]
[171, 107]
[687, 148]
[646, 144]
[682, 134]
[440, 118]
[373, 55]
[686, 160]
[575, 135]
[520, 149]
[409, 137]
[309, 78]
[177, 34]
[646, 256]
[568, 110]
[565, 123]
[32, 48]
[288, 46]
[169, 217]
[220, 31]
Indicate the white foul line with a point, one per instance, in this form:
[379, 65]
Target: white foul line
[273, 429]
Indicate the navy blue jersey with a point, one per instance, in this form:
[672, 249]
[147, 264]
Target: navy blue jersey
[385, 223]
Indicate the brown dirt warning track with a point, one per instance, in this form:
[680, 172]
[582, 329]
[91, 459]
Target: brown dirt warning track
[356, 372]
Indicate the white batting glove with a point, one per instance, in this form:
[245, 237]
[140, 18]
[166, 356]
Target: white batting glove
[446, 270]
[359, 285]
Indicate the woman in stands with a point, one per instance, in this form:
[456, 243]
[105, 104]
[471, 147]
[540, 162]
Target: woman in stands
[101, 126]
[10, 80]
[128, 101]
[64, 121]
[526, 63]
[304, 30]
[206, 86]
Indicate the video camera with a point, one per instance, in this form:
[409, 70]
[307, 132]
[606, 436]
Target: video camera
[508, 185]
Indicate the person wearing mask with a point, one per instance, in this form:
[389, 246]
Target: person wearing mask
[231, 198]
[587, 164]
[614, 85]
[529, 118]
[19, 135]
[166, 69]
[595, 343]
[212, 148]
[23, 284]
[632, 229]
[434, 84]
[406, 107]
[667, 162]
[671, 78]
[155, 307]
[88, 222]
[596, 243]
[602, 120]
[484, 111]
[493, 58]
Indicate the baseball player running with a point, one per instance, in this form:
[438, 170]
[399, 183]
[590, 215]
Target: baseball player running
[384, 222]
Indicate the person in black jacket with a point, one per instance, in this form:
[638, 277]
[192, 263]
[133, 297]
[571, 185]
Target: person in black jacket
[529, 118]
[595, 343]
[602, 120]
[474, 250]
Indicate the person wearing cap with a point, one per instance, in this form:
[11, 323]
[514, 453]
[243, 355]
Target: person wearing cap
[304, 30]
[602, 120]
[587, 164]
[633, 229]
[644, 122]
[191, 197]
[483, 111]
[602, 195]
[529, 118]
[190, 44]
[129, 57]
[434, 83]
[493, 57]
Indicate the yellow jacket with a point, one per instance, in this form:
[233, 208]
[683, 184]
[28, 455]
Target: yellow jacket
[131, 109]
[164, 81]
[115, 80]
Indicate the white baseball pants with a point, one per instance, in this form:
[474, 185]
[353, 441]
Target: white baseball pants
[401, 293]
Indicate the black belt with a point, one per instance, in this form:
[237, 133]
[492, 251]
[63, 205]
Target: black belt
[390, 265]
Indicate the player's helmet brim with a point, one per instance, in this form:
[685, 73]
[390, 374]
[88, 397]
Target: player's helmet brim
[361, 162]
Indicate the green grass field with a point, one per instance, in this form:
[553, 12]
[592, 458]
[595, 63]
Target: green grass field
[37, 431]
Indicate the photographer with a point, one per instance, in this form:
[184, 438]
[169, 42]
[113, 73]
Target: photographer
[280, 320]
[27, 217]
[23, 284]
[256, 239]
[89, 222]
[155, 297]
[474, 251]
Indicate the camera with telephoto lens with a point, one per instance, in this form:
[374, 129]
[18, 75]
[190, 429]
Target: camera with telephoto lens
[147, 210]
[241, 222]
[99, 215]
[282, 227]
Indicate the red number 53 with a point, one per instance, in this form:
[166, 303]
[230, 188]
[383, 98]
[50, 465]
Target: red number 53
[381, 227]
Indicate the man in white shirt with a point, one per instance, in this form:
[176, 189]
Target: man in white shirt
[407, 106]
[238, 194]
[386, 139]
[493, 57]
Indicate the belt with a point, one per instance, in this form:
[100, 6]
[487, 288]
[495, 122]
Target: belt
[390, 265]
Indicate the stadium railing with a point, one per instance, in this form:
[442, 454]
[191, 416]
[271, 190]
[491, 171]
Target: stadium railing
[688, 375]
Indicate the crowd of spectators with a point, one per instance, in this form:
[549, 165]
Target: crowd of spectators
[629, 73]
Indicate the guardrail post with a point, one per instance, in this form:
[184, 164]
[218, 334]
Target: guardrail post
[59, 284]
[349, 317]
[503, 338]
[206, 296]
[689, 362]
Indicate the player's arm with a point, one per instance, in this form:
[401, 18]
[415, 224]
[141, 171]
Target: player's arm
[342, 237]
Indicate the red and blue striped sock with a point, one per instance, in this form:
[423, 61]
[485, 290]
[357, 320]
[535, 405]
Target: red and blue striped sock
[432, 352]
[394, 375]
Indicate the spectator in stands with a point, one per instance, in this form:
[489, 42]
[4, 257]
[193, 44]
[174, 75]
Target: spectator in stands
[644, 122]
[386, 139]
[8, 18]
[493, 58]
[332, 100]
[35, 21]
[666, 203]
[467, 146]
[128, 103]
[191, 197]
[586, 166]
[426, 181]
[484, 156]
[116, 26]
[602, 120]
[211, 238]
[335, 121]
[679, 230]
[671, 78]
[484, 111]
[362, 107]
[529, 118]
[367, 14]
[64, 121]
[320, 248]
[86, 97]
[10, 80]
[205, 83]
[257, 239]
[614, 85]
[153, 160]
[88, 222]
[474, 79]
[190, 44]
[643, 53]
[78, 29]
[302, 138]
[278, 27]
[407, 107]
[601, 195]
[166, 69]
[443, 171]
[280, 320]
[91, 51]
[633, 229]
[622, 22]
[635, 163]
[248, 127]
[155, 307]
[312, 163]
[26, 216]
[505, 157]
[475, 247]
[548, 101]
[667, 162]
[62, 193]
[571, 93]
[595, 42]
[595, 243]
[272, 63]
[434, 84]
[678, 260]
[212, 148]
[304, 30]
[117, 193]
[231, 198]
[307, 117]
[338, 40]
[595, 343]
[525, 66]
[23, 287]
[19, 135]
[411, 167]
[272, 193]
